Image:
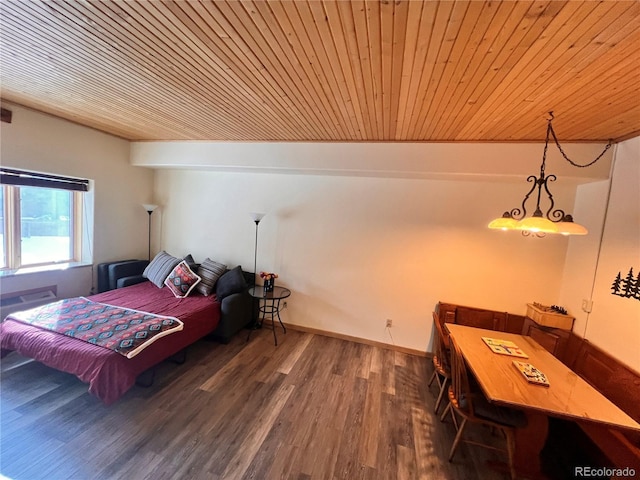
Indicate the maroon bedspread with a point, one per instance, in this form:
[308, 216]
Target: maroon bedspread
[108, 373]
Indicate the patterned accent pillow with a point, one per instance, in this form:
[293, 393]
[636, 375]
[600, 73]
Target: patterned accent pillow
[160, 268]
[182, 280]
[209, 271]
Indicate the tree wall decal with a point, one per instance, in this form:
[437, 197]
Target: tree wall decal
[616, 285]
[628, 287]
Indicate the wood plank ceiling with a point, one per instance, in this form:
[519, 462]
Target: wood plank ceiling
[328, 70]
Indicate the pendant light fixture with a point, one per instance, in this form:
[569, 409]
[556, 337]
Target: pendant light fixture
[542, 222]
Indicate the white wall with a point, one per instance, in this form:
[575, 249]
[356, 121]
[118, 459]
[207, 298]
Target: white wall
[582, 254]
[367, 231]
[356, 251]
[40, 142]
[614, 323]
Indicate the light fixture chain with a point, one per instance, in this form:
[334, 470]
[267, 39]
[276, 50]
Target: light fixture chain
[544, 153]
[607, 147]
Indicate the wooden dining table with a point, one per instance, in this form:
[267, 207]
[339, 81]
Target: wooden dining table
[568, 396]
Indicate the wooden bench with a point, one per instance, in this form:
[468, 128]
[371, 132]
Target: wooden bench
[621, 385]
[609, 376]
[480, 318]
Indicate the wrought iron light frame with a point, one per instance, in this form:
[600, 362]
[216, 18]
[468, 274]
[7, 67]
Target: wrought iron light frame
[552, 220]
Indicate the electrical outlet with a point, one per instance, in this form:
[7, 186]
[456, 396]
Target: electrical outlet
[389, 323]
[284, 305]
[587, 305]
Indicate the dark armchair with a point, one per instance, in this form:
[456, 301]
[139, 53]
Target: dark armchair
[236, 312]
[120, 274]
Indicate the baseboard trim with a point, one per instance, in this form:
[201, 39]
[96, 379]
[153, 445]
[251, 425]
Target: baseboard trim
[341, 336]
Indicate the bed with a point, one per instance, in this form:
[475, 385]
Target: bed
[108, 373]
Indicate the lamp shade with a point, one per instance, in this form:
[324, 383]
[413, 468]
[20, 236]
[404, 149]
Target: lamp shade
[256, 217]
[537, 225]
[571, 228]
[505, 222]
[149, 207]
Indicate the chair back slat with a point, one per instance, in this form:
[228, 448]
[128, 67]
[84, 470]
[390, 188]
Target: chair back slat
[460, 379]
[440, 343]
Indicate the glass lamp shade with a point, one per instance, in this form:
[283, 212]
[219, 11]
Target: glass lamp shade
[537, 225]
[571, 228]
[149, 207]
[505, 222]
[256, 217]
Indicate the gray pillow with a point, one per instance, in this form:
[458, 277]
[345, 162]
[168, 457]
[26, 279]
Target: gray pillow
[209, 271]
[230, 283]
[160, 268]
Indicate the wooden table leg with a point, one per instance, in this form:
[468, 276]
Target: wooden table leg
[529, 444]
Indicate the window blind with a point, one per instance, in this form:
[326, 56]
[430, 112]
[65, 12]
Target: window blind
[10, 176]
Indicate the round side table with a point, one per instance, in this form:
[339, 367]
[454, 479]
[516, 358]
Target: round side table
[270, 306]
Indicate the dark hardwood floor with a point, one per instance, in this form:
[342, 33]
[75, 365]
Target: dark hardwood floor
[311, 408]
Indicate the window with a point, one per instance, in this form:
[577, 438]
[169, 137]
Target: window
[41, 219]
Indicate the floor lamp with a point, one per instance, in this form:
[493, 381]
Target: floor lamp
[149, 207]
[256, 218]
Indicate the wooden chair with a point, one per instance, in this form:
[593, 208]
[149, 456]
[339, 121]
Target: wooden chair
[441, 369]
[472, 406]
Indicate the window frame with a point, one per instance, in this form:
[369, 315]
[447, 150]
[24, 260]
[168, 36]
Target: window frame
[13, 229]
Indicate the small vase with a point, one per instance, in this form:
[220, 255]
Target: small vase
[268, 284]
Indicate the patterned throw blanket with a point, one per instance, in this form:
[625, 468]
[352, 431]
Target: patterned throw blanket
[119, 329]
